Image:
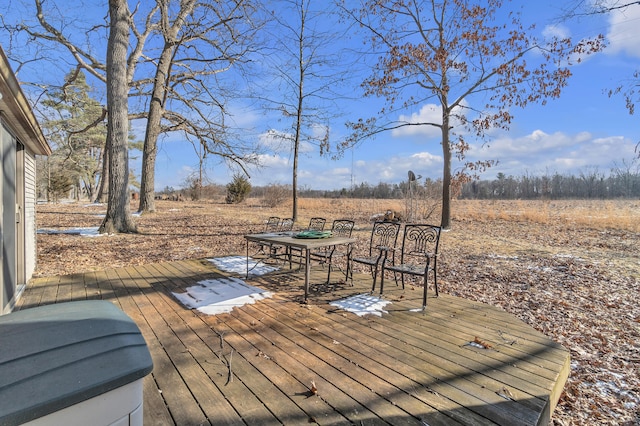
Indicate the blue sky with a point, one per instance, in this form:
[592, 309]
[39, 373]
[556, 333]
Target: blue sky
[584, 130]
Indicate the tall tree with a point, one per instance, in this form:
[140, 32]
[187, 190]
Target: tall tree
[199, 41]
[118, 217]
[307, 69]
[175, 68]
[473, 59]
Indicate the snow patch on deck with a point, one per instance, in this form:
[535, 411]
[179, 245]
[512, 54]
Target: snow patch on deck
[238, 265]
[362, 304]
[217, 296]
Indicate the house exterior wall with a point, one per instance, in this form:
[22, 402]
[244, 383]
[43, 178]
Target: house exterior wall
[21, 139]
[9, 265]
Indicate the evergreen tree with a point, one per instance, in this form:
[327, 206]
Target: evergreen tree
[76, 129]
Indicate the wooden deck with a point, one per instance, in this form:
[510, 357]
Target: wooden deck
[256, 365]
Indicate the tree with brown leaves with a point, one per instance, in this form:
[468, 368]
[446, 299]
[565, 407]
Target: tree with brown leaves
[474, 60]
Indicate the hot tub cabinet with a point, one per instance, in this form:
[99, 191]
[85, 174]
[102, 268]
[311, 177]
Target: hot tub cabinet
[76, 363]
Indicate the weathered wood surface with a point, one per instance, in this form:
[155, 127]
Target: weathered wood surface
[257, 364]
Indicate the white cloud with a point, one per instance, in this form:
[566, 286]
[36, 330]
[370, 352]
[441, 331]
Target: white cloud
[281, 142]
[273, 161]
[624, 31]
[243, 117]
[430, 113]
[176, 179]
[342, 171]
[552, 31]
[276, 141]
[426, 158]
[536, 142]
[395, 168]
[559, 152]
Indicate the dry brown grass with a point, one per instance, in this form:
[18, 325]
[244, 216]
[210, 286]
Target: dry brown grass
[570, 269]
[607, 214]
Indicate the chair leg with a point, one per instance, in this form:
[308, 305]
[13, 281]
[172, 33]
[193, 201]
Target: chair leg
[395, 278]
[374, 280]
[382, 260]
[424, 290]
[435, 274]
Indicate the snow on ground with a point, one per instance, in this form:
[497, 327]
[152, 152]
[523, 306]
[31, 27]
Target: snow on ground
[85, 232]
[362, 304]
[238, 265]
[212, 297]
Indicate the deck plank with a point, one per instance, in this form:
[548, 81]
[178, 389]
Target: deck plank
[210, 361]
[292, 403]
[424, 373]
[317, 350]
[242, 397]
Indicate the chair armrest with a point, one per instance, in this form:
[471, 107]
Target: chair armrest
[387, 249]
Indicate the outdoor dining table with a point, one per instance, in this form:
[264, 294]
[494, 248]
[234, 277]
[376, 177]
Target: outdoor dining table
[289, 239]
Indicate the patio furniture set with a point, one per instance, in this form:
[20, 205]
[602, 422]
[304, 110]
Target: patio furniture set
[416, 255]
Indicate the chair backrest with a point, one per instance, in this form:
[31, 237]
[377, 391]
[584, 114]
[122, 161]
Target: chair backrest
[342, 228]
[418, 242]
[272, 224]
[384, 234]
[286, 224]
[317, 224]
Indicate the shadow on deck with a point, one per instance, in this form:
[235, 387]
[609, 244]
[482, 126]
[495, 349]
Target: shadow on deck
[260, 363]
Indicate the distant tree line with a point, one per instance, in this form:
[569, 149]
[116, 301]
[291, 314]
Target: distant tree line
[590, 184]
[427, 189]
[622, 182]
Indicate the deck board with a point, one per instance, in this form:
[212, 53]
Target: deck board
[256, 364]
[382, 349]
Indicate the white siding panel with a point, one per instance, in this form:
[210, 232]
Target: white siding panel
[31, 252]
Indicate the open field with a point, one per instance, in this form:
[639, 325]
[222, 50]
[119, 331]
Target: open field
[571, 269]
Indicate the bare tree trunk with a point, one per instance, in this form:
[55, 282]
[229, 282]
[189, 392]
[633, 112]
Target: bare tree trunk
[156, 110]
[445, 221]
[118, 217]
[101, 196]
[149, 150]
[296, 149]
[299, 106]
[157, 103]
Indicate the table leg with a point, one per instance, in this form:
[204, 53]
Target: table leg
[307, 273]
[348, 273]
[247, 260]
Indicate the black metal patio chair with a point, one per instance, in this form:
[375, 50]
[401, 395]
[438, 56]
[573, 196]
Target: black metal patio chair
[271, 225]
[316, 224]
[382, 245]
[418, 256]
[276, 251]
[326, 255]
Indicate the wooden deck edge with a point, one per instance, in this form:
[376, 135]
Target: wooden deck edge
[556, 392]
[183, 273]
